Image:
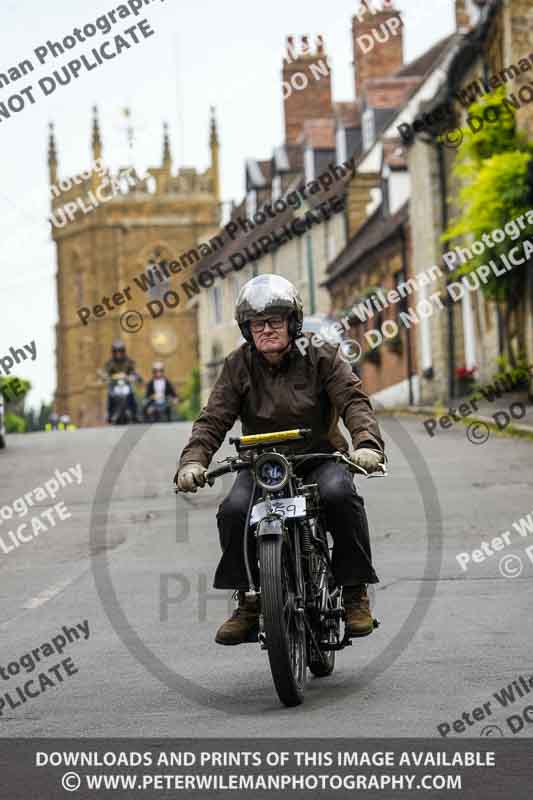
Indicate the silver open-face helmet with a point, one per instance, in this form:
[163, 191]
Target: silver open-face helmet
[269, 294]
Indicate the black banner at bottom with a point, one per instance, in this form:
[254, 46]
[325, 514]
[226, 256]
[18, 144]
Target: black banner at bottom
[253, 768]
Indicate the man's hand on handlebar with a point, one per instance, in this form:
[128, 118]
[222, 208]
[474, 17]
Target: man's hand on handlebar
[367, 459]
[190, 477]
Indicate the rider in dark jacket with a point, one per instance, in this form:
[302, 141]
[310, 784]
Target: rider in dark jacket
[272, 385]
[159, 389]
[120, 362]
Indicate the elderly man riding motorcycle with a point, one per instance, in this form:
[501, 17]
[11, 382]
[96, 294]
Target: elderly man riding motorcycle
[270, 385]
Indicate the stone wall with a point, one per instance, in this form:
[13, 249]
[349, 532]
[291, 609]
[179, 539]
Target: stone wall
[99, 254]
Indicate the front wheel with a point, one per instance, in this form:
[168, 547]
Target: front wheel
[283, 622]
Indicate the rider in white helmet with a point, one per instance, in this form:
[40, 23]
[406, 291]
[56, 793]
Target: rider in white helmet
[159, 392]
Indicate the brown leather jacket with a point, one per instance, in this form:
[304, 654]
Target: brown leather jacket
[303, 391]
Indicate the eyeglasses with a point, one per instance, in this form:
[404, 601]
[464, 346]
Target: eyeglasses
[258, 325]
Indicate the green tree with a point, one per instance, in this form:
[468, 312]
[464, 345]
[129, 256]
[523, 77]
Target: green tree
[492, 168]
[189, 407]
[14, 390]
[15, 424]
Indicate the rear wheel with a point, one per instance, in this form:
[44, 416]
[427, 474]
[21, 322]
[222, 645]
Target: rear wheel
[326, 627]
[321, 667]
[283, 624]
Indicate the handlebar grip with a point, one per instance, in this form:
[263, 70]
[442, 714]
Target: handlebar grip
[217, 472]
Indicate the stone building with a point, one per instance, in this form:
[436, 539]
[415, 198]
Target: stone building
[320, 135]
[490, 35]
[306, 153]
[116, 229]
[373, 273]
[445, 339]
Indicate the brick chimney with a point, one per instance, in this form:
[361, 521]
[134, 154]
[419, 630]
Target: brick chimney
[377, 30]
[306, 86]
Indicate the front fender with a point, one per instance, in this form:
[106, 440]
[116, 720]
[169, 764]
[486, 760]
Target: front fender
[270, 526]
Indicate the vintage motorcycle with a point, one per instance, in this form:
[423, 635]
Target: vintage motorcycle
[120, 388]
[301, 607]
[158, 410]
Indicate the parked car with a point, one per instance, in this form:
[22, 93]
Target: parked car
[322, 324]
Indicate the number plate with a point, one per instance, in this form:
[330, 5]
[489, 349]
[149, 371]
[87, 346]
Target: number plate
[288, 507]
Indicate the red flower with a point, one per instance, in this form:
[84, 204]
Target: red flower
[464, 374]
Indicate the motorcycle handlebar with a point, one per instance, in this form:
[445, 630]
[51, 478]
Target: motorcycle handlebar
[217, 472]
[381, 472]
[237, 466]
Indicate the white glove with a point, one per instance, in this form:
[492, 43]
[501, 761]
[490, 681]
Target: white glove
[368, 459]
[190, 477]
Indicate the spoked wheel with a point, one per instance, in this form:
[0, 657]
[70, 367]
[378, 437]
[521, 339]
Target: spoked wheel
[284, 626]
[323, 664]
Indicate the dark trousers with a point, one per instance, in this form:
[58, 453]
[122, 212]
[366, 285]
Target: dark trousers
[345, 518]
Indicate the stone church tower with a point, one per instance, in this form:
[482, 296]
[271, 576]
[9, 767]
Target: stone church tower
[109, 230]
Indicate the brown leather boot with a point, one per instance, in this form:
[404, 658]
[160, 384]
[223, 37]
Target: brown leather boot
[243, 625]
[358, 619]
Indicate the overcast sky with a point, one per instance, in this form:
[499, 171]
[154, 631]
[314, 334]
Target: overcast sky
[203, 53]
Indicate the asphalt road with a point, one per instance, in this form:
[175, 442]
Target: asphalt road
[449, 638]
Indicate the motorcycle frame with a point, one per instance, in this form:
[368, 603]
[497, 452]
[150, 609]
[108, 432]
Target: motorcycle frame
[274, 525]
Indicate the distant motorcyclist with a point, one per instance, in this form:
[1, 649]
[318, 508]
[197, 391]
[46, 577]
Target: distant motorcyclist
[121, 363]
[159, 393]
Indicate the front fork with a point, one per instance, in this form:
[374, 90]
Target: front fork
[294, 547]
